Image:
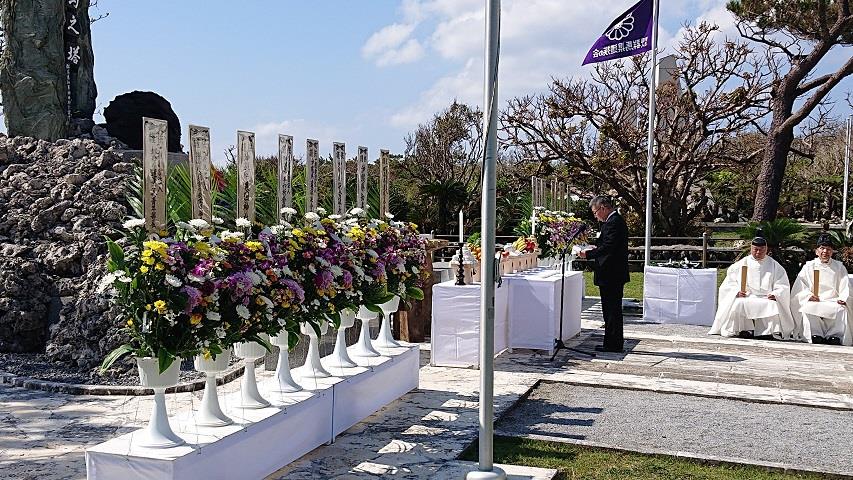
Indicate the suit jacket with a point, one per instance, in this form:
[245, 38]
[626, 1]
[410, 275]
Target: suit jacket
[611, 253]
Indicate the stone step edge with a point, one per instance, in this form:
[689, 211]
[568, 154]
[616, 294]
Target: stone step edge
[697, 457]
[233, 373]
[717, 340]
[599, 380]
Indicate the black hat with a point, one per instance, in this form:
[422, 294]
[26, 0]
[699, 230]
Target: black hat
[759, 240]
[824, 240]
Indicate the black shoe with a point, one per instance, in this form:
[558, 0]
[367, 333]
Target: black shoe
[601, 348]
[763, 337]
[745, 334]
[833, 340]
[817, 339]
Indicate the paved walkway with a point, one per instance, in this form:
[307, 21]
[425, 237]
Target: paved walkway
[43, 435]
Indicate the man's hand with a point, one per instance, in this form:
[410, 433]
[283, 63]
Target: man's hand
[771, 297]
[814, 299]
[842, 302]
[741, 294]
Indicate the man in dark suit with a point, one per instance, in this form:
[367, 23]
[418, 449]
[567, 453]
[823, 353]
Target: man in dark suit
[611, 269]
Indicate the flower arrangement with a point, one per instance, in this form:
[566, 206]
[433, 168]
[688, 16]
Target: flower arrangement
[200, 291]
[164, 299]
[557, 231]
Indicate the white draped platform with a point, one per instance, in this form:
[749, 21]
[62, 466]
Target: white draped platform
[262, 441]
[680, 295]
[527, 315]
[455, 333]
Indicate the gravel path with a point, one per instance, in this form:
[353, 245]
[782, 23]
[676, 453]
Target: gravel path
[805, 438]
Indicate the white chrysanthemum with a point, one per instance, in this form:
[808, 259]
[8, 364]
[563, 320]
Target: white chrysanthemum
[243, 312]
[321, 210]
[389, 215]
[288, 211]
[372, 253]
[312, 216]
[217, 220]
[213, 316]
[256, 279]
[242, 222]
[358, 212]
[194, 278]
[173, 280]
[133, 223]
[266, 301]
[199, 223]
[335, 217]
[185, 226]
[336, 270]
[226, 235]
[285, 270]
[277, 229]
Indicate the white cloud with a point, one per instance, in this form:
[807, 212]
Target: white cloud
[392, 46]
[540, 39]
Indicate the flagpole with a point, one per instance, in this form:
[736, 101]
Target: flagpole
[651, 139]
[486, 469]
[846, 173]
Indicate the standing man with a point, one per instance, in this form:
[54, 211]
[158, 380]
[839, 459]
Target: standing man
[611, 269]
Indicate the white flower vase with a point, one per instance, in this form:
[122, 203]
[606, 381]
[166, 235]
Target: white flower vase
[385, 339]
[340, 358]
[250, 397]
[284, 381]
[364, 347]
[209, 413]
[158, 433]
[313, 368]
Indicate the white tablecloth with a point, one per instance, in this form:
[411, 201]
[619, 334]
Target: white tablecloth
[455, 337]
[534, 308]
[679, 295]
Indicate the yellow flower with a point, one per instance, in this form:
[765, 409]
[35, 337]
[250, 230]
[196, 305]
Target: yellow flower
[195, 319]
[254, 245]
[129, 323]
[147, 253]
[160, 305]
[148, 307]
[148, 261]
[206, 354]
[259, 256]
[156, 246]
[143, 269]
[159, 266]
[297, 233]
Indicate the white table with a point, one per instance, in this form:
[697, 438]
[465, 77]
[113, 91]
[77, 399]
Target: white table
[534, 308]
[679, 295]
[455, 337]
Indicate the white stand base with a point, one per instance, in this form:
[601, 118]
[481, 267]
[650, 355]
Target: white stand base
[339, 357]
[364, 347]
[284, 382]
[209, 413]
[158, 433]
[495, 474]
[250, 397]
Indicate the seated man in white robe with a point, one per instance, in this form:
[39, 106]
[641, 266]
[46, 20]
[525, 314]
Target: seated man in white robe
[759, 308]
[823, 317]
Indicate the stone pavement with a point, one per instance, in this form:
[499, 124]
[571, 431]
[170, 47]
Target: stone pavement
[43, 435]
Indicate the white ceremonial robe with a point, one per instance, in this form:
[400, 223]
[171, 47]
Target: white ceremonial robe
[825, 318]
[755, 312]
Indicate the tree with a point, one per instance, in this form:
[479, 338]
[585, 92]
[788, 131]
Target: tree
[33, 79]
[596, 129]
[800, 34]
[443, 158]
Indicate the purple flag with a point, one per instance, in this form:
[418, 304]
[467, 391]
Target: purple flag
[630, 34]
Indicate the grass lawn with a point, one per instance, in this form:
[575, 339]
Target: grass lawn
[578, 462]
[634, 288]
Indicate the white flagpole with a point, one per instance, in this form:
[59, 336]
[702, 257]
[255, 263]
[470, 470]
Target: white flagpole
[651, 140]
[846, 173]
[487, 470]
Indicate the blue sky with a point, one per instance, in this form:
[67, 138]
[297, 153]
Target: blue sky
[364, 72]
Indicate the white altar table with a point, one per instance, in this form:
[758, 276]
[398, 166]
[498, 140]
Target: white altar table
[534, 308]
[680, 295]
[455, 337]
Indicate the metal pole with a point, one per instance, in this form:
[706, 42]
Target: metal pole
[487, 469]
[651, 140]
[846, 174]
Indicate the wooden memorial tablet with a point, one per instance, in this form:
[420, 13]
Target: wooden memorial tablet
[743, 270]
[816, 283]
